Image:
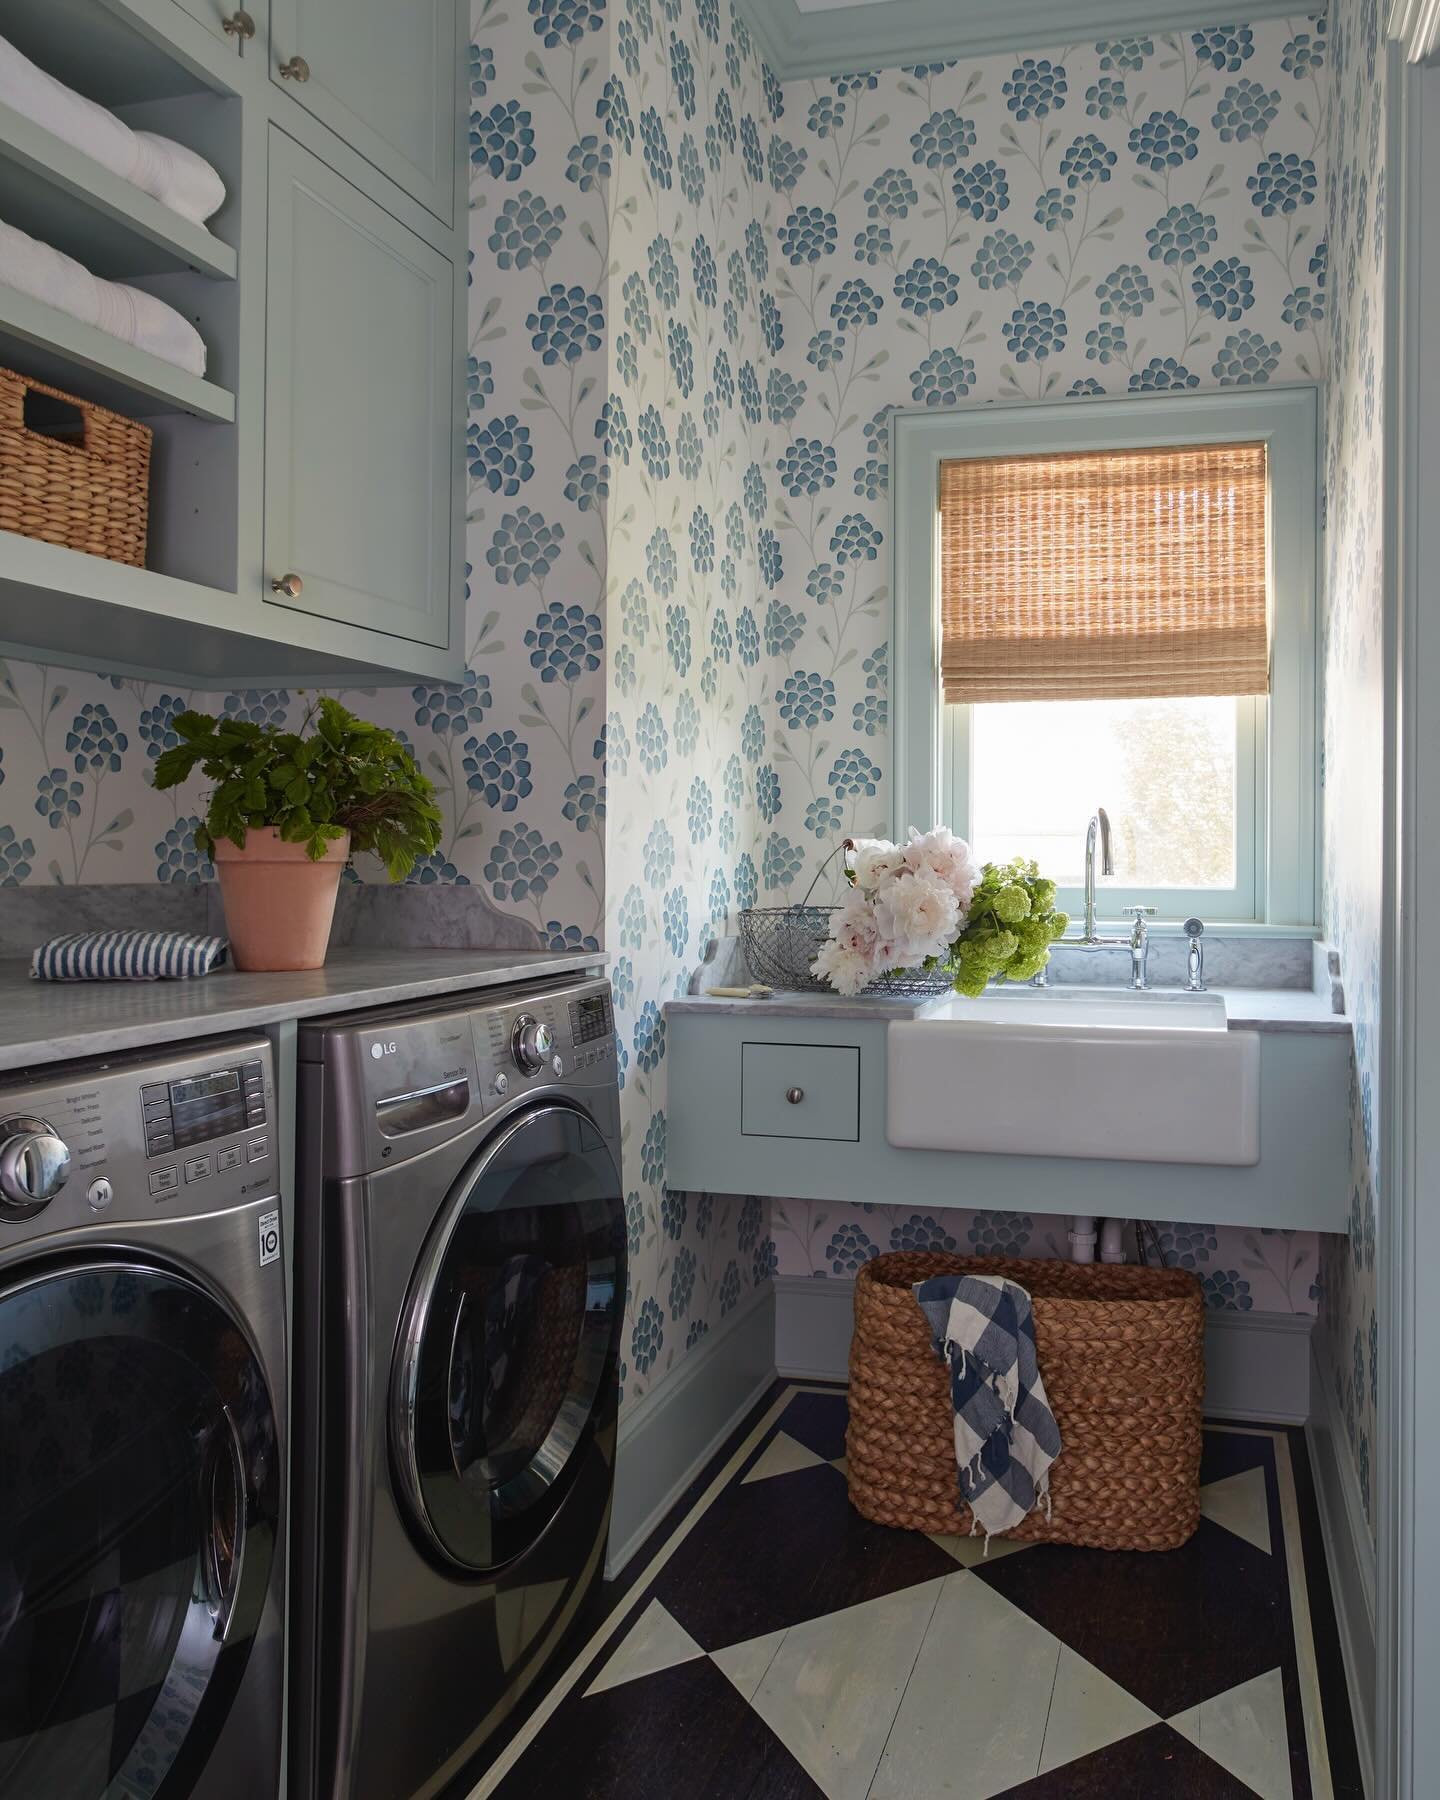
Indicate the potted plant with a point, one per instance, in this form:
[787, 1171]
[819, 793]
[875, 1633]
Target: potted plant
[288, 809]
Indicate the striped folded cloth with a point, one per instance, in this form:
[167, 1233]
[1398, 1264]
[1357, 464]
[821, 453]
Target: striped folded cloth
[127, 956]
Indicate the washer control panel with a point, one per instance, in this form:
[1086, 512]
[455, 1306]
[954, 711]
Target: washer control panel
[565, 1034]
[129, 1136]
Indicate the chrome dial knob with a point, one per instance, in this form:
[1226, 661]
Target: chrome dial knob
[34, 1164]
[531, 1041]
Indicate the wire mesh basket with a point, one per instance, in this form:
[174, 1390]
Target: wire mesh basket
[781, 942]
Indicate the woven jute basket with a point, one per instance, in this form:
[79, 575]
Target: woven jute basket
[82, 482]
[1122, 1355]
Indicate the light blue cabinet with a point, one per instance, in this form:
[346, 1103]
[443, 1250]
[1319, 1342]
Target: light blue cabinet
[214, 13]
[359, 403]
[382, 75]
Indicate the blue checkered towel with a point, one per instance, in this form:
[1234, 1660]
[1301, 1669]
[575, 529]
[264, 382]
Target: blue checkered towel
[1005, 1434]
[127, 956]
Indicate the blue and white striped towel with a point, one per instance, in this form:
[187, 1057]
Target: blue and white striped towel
[1005, 1434]
[127, 956]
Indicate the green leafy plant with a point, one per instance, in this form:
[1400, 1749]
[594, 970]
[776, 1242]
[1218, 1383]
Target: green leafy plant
[336, 774]
[1010, 929]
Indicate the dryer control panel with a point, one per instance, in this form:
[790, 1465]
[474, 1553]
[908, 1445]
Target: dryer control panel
[134, 1136]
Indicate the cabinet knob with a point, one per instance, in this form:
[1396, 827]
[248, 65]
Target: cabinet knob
[794, 1095]
[239, 25]
[297, 69]
[288, 585]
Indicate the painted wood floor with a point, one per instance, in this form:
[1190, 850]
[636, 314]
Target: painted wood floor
[778, 1646]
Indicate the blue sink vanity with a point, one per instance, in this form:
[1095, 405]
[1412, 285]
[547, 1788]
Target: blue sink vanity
[797, 1095]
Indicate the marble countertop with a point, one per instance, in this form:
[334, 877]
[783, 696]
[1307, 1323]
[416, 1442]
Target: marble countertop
[1246, 1009]
[48, 1022]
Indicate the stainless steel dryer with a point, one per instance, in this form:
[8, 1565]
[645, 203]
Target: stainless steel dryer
[142, 1396]
[461, 1281]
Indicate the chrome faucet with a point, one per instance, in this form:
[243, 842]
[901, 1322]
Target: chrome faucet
[1099, 827]
[1194, 929]
[1139, 944]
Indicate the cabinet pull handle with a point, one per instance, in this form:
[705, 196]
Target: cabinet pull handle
[288, 585]
[239, 25]
[795, 1095]
[297, 69]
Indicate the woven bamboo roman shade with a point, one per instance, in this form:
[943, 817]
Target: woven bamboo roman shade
[1105, 574]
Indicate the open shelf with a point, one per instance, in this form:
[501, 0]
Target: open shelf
[109, 50]
[65, 198]
[49, 345]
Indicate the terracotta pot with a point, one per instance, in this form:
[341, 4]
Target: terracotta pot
[279, 905]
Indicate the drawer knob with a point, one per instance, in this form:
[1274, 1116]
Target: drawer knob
[239, 25]
[288, 585]
[297, 69]
[795, 1095]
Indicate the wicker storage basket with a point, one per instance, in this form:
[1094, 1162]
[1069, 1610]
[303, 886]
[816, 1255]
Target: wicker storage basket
[81, 481]
[1122, 1353]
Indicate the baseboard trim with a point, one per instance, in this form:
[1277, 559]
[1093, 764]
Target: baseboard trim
[1257, 1364]
[1350, 1558]
[667, 1437]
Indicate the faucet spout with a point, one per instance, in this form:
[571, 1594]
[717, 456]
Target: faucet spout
[1098, 829]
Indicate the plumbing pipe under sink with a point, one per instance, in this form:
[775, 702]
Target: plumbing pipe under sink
[1112, 1240]
[1083, 1238]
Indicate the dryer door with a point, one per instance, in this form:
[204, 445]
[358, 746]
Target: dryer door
[139, 1501]
[510, 1343]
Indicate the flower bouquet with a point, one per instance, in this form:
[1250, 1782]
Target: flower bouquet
[927, 904]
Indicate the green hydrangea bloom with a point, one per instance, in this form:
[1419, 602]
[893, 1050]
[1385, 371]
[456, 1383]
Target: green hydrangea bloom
[1011, 927]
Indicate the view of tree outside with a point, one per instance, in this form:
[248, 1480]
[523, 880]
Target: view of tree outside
[1163, 769]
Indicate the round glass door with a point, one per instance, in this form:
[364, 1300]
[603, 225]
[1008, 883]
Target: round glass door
[139, 1500]
[510, 1338]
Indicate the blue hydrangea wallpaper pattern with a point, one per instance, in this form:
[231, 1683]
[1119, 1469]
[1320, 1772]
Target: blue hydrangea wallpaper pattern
[1354, 701]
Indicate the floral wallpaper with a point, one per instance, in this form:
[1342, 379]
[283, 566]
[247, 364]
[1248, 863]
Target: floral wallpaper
[1354, 718]
[685, 112]
[1241, 1270]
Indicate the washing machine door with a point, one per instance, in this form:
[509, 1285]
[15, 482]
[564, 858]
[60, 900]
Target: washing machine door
[509, 1346]
[139, 1501]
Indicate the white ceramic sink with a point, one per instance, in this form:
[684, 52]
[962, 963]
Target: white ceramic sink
[1086, 1072]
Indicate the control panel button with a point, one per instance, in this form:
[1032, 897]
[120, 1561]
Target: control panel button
[158, 1143]
[198, 1168]
[501, 1083]
[258, 1149]
[557, 1063]
[99, 1194]
[164, 1181]
[228, 1159]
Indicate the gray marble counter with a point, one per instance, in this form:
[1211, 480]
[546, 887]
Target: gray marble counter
[47, 1022]
[1246, 1008]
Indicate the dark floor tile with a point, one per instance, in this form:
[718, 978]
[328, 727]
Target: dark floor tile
[776, 1552]
[1230, 1452]
[1172, 1627]
[818, 1422]
[683, 1734]
[1157, 1764]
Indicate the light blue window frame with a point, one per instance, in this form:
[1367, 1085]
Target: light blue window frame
[1277, 764]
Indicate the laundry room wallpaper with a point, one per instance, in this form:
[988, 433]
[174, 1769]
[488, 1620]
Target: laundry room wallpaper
[1354, 702]
[687, 112]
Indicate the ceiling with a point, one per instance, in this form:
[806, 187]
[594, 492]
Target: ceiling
[834, 37]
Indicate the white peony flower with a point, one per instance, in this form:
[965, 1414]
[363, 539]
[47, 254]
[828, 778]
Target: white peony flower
[876, 861]
[948, 858]
[847, 971]
[922, 912]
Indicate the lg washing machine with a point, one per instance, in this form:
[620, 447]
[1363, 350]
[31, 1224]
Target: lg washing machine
[460, 1287]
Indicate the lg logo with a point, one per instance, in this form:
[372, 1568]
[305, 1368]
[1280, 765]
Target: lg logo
[378, 1050]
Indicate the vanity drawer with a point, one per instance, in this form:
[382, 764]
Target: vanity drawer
[800, 1091]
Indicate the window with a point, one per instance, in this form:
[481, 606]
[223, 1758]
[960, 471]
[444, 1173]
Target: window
[1111, 603]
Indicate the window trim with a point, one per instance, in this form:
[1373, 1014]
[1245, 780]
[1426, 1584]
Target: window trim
[1286, 418]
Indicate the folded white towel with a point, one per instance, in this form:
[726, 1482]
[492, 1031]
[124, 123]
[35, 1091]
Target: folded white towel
[127, 313]
[173, 174]
[177, 177]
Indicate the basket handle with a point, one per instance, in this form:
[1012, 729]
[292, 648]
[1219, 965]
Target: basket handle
[844, 849]
[54, 409]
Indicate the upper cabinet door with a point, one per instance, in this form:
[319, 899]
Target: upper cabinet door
[384, 75]
[360, 407]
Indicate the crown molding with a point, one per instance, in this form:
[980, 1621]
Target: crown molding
[902, 32]
[1413, 24]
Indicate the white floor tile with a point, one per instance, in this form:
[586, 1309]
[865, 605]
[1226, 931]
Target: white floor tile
[969, 1551]
[835, 1683]
[1239, 1503]
[655, 1641]
[972, 1722]
[783, 1456]
[1244, 1731]
[1087, 1711]
[744, 1664]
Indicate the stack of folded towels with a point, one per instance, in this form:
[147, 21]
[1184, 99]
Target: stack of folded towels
[172, 174]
